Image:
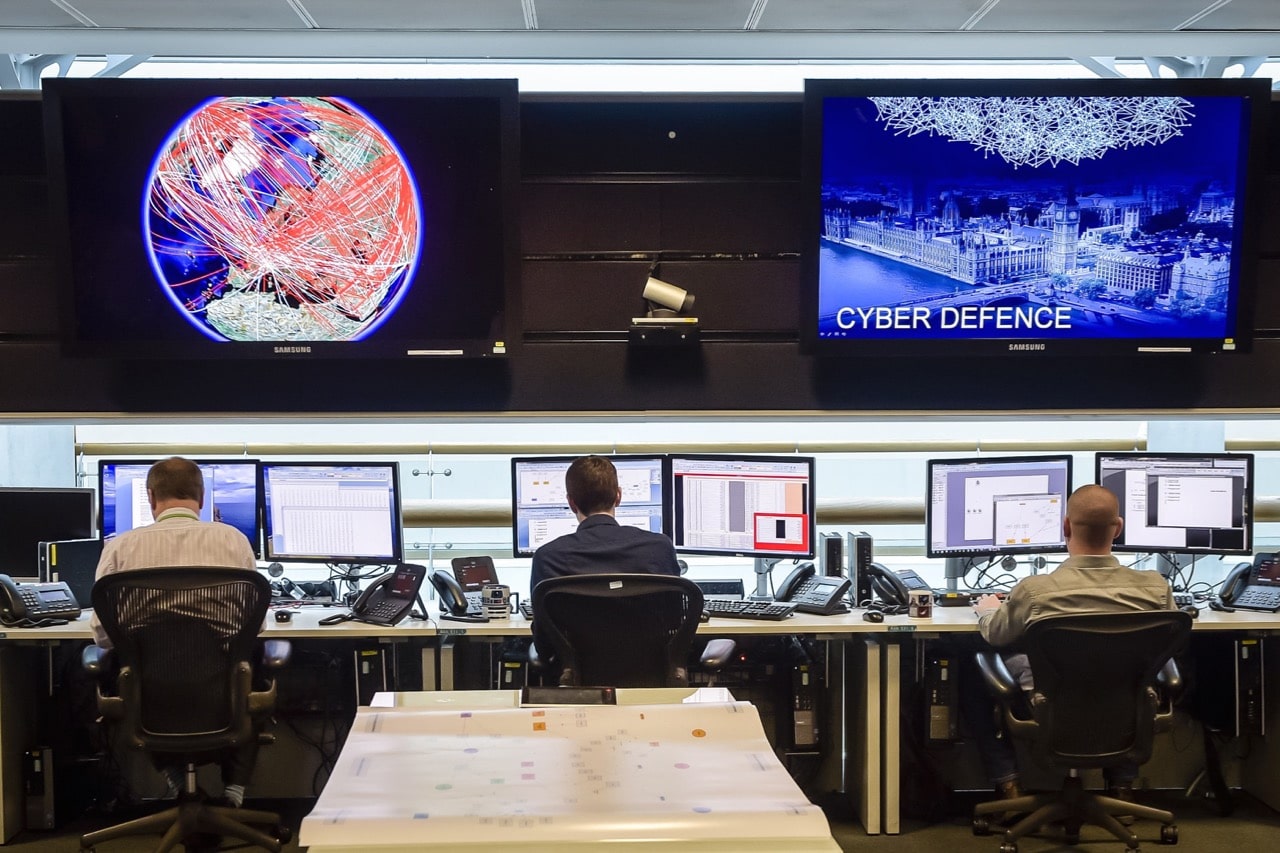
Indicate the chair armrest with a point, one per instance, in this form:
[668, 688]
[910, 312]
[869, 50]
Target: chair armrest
[1170, 679]
[718, 653]
[996, 676]
[276, 653]
[96, 661]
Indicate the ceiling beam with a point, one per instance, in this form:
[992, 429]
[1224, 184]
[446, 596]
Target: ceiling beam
[543, 45]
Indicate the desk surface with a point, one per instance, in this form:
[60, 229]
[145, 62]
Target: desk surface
[305, 624]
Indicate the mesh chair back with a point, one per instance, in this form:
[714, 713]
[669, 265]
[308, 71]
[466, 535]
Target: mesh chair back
[1095, 675]
[619, 630]
[184, 638]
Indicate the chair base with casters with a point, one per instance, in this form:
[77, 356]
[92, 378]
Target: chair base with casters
[1073, 807]
[192, 816]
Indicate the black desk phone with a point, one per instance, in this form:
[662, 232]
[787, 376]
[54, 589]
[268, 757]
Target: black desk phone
[811, 592]
[390, 598]
[1254, 586]
[893, 588]
[454, 605]
[36, 605]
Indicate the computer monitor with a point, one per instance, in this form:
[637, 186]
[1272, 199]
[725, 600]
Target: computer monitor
[29, 516]
[331, 512]
[230, 495]
[1186, 503]
[540, 510]
[996, 505]
[747, 506]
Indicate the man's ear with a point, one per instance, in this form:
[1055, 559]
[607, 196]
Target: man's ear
[1119, 529]
[1066, 528]
[617, 498]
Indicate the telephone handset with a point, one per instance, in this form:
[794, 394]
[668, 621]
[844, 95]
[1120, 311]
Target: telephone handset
[1253, 586]
[813, 593]
[453, 601]
[893, 588]
[389, 598]
[36, 605]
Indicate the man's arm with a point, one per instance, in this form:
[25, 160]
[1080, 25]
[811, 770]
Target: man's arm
[1003, 623]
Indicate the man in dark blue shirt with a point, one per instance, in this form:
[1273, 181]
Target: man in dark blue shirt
[600, 545]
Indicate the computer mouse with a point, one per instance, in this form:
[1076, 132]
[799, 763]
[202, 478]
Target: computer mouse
[284, 615]
[1191, 610]
[873, 616]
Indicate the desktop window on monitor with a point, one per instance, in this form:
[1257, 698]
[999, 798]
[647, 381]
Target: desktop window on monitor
[748, 506]
[29, 516]
[996, 505]
[331, 512]
[1189, 503]
[540, 509]
[230, 496]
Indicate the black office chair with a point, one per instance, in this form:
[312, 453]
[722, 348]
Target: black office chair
[184, 641]
[623, 630]
[1103, 686]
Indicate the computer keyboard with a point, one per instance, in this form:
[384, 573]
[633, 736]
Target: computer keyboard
[741, 608]
[526, 610]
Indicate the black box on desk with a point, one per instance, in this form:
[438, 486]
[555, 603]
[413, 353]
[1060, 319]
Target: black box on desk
[860, 556]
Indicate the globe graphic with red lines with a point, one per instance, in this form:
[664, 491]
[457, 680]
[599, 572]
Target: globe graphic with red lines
[282, 219]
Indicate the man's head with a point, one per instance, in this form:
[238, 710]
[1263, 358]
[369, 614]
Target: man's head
[175, 482]
[591, 484]
[1093, 520]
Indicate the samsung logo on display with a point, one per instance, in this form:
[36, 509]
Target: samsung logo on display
[1026, 347]
[288, 350]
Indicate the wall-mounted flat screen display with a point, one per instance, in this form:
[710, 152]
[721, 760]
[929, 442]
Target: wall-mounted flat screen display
[987, 217]
[285, 218]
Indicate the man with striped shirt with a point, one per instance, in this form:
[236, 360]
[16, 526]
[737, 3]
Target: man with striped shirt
[175, 490]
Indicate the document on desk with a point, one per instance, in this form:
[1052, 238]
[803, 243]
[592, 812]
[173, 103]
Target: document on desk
[562, 775]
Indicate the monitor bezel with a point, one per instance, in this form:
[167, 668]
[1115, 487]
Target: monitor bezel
[1250, 170]
[1249, 495]
[255, 541]
[84, 491]
[397, 527]
[811, 527]
[497, 343]
[568, 459]
[993, 551]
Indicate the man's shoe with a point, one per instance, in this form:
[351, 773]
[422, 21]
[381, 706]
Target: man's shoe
[1122, 792]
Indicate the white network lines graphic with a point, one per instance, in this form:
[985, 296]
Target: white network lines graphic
[1034, 131]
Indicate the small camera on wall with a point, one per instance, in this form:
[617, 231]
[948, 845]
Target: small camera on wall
[665, 299]
[667, 321]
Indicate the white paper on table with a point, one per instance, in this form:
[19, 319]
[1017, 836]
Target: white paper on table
[577, 774]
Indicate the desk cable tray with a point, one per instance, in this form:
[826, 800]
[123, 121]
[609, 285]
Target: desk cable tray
[741, 608]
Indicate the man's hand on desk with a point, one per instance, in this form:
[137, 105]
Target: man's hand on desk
[987, 604]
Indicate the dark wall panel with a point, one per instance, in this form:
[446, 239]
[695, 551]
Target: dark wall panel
[573, 218]
[607, 190]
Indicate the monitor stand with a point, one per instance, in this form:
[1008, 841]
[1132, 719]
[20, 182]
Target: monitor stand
[955, 570]
[764, 567]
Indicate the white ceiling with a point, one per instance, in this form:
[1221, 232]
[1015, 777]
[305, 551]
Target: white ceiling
[815, 30]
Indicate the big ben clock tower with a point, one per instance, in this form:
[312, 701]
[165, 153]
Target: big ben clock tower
[1066, 235]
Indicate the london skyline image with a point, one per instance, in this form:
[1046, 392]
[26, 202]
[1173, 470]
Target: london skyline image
[1029, 217]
